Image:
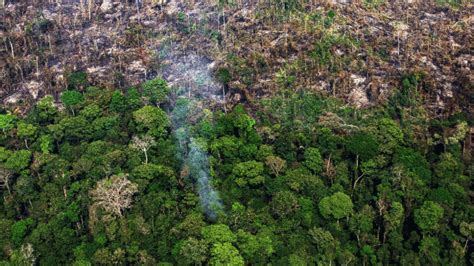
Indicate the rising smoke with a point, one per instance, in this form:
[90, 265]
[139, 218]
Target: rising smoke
[195, 158]
[196, 89]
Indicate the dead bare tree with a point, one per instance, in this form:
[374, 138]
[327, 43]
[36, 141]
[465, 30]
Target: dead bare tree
[276, 164]
[5, 176]
[143, 144]
[114, 194]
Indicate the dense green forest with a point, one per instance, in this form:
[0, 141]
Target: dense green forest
[303, 179]
[224, 132]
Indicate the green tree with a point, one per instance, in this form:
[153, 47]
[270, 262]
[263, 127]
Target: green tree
[225, 254]
[191, 226]
[19, 160]
[303, 181]
[447, 168]
[7, 122]
[118, 102]
[91, 111]
[156, 90]
[430, 249]
[71, 99]
[363, 145]
[46, 110]
[393, 218]
[26, 131]
[218, 233]
[427, 217]
[77, 80]
[46, 144]
[313, 160]
[361, 223]
[389, 135]
[368, 253]
[226, 148]
[243, 122]
[326, 244]
[248, 173]
[24, 189]
[4, 154]
[193, 251]
[223, 74]
[75, 128]
[133, 99]
[413, 161]
[327, 140]
[323, 239]
[339, 205]
[256, 249]
[151, 171]
[151, 120]
[105, 256]
[284, 203]
[20, 229]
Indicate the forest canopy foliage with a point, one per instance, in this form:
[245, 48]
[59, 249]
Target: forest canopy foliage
[305, 180]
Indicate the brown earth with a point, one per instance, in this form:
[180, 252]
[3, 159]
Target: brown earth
[354, 51]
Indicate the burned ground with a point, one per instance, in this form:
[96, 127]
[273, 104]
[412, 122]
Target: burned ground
[357, 52]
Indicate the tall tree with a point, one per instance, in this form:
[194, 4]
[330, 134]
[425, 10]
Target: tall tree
[151, 120]
[26, 131]
[18, 160]
[313, 160]
[339, 205]
[114, 194]
[155, 90]
[143, 144]
[427, 217]
[72, 99]
[7, 122]
[225, 254]
[5, 177]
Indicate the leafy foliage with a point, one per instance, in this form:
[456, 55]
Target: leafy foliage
[156, 90]
[428, 215]
[151, 120]
[102, 182]
[6, 122]
[72, 99]
[339, 205]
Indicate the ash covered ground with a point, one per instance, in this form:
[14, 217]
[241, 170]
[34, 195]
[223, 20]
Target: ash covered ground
[353, 51]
